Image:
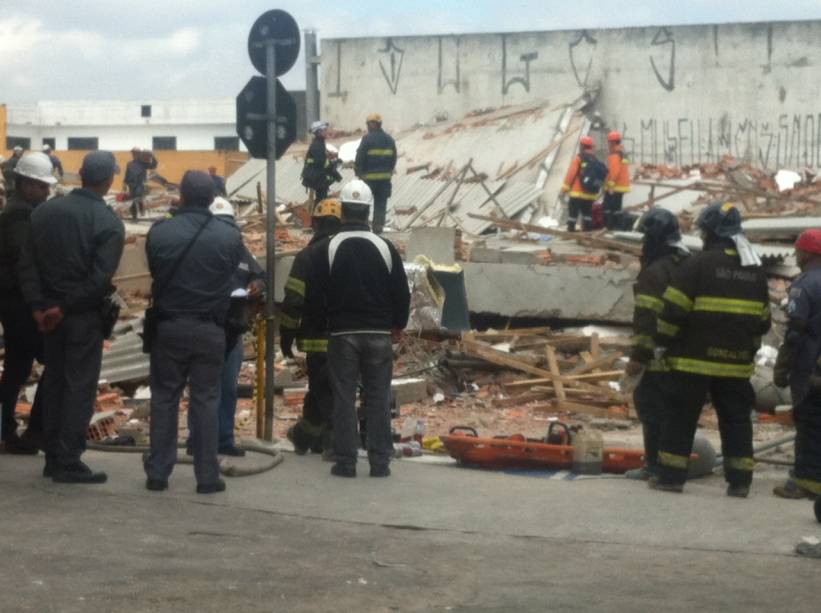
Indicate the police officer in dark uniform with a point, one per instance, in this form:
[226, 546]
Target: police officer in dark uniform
[77, 242]
[192, 257]
[797, 367]
[302, 320]
[716, 309]
[662, 253]
[136, 174]
[19, 291]
[374, 164]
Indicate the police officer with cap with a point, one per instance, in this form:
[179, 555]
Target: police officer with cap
[360, 281]
[192, 257]
[797, 367]
[77, 241]
[716, 309]
[661, 254]
[19, 291]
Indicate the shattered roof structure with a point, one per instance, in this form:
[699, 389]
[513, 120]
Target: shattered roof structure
[500, 162]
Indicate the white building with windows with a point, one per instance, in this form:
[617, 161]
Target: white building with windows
[114, 125]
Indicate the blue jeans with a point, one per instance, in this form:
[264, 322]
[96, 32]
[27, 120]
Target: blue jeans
[227, 407]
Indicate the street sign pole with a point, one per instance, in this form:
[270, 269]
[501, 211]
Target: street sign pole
[270, 351]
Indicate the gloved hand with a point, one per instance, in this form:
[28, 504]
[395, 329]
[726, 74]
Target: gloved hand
[286, 343]
[781, 377]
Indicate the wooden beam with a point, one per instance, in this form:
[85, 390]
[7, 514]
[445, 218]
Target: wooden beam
[557, 375]
[591, 365]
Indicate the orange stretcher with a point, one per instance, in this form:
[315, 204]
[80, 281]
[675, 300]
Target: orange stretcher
[516, 451]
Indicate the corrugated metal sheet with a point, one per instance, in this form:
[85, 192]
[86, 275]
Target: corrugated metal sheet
[779, 227]
[768, 253]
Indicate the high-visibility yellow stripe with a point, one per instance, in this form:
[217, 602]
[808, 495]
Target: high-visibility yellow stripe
[809, 485]
[296, 285]
[666, 328]
[377, 176]
[309, 160]
[286, 321]
[672, 460]
[765, 313]
[621, 189]
[644, 340]
[679, 298]
[584, 195]
[711, 369]
[733, 306]
[745, 464]
[658, 366]
[381, 152]
[312, 345]
[646, 301]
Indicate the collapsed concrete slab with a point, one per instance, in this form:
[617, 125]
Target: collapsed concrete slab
[561, 292]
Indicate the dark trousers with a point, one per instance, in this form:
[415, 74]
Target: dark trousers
[381, 192]
[579, 208]
[369, 357]
[612, 207]
[733, 400]
[185, 351]
[320, 193]
[807, 416]
[318, 408]
[137, 192]
[651, 403]
[73, 354]
[23, 344]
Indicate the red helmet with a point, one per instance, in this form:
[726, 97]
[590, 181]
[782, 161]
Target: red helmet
[809, 241]
[586, 141]
[614, 137]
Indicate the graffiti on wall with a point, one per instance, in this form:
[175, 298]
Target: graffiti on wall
[664, 49]
[582, 51]
[391, 64]
[791, 140]
[449, 68]
[523, 76]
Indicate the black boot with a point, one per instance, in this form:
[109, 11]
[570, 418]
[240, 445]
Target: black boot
[77, 472]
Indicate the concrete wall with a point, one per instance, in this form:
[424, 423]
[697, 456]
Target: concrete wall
[681, 95]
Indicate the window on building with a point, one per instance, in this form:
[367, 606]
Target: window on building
[164, 143]
[51, 142]
[145, 110]
[83, 143]
[226, 143]
[18, 141]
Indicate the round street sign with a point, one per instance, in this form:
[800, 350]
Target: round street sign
[279, 26]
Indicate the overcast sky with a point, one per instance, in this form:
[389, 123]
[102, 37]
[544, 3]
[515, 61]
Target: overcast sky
[160, 49]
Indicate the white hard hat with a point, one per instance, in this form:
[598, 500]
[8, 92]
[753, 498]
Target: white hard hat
[46, 148]
[319, 125]
[356, 192]
[18, 149]
[221, 206]
[36, 166]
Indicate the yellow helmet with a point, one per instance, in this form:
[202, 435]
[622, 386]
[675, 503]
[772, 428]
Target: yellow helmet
[375, 117]
[330, 207]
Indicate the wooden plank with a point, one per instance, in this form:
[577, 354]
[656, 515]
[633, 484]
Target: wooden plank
[579, 237]
[557, 375]
[591, 365]
[512, 332]
[595, 346]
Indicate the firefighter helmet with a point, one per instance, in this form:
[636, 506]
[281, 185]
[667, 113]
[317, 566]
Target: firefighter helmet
[330, 207]
[720, 218]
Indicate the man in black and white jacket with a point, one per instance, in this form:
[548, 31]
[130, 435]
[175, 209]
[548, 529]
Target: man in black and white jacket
[359, 285]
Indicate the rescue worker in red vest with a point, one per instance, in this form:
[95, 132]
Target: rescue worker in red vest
[797, 367]
[662, 253]
[580, 202]
[618, 180]
[716, 309]
[299, 321]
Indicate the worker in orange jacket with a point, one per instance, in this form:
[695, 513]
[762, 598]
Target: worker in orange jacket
[583, 186]
[618, 180]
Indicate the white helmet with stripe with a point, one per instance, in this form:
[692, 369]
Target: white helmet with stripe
[356, 192]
